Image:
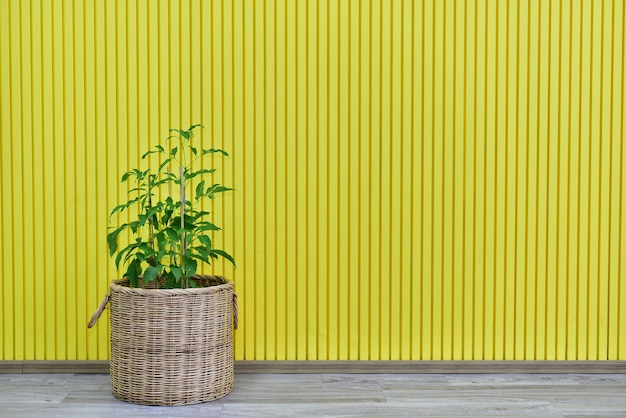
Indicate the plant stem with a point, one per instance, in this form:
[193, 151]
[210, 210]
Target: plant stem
[169, 194]
[183, 237]
[169, 182]
[150, 224]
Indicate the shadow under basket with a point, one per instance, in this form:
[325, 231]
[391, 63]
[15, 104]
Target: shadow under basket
[172, 346]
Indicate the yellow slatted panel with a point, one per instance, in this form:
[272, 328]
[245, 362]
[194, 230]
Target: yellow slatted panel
[414, 179]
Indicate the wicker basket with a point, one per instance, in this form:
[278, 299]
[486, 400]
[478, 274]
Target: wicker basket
[174, 346]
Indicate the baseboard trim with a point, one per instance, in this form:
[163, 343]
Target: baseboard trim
[436, 366]
[350, 366]
[55, 366]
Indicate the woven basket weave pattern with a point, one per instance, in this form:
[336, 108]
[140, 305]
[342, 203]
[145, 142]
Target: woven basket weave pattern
[171, 347]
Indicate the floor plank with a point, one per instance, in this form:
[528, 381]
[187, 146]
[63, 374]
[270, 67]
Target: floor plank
[335, 395]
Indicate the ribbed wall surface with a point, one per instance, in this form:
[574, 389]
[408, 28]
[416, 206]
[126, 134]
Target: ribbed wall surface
[415, 180]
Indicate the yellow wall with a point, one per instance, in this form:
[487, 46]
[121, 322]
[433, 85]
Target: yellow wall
[415, 180]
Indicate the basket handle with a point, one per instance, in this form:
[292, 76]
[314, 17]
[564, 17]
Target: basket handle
[98, 312]
[235, 310]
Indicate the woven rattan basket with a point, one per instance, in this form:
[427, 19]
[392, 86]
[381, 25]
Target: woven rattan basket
[174, 346]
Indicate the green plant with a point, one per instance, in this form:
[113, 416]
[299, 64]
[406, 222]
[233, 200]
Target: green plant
[171, 234]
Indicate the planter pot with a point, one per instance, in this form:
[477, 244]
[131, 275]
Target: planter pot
[172, 346]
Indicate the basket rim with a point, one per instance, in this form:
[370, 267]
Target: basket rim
[117, 287]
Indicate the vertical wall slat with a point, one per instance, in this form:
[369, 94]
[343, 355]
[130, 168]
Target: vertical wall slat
[8, 299]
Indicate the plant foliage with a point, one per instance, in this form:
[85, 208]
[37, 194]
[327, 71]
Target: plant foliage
[171, 235]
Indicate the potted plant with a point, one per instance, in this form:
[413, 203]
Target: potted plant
[171, 328]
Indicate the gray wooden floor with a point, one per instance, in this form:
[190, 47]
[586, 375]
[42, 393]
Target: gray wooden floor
[299, 395]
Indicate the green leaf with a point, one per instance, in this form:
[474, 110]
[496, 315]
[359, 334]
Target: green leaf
[194, 150]
[134, 226]
[140, 256]
[189, 225]
[225, 255]
[152, 178]
[177, 272]
[203, 251]
[164, 163]
[161, 253]
[172, 234]
[197, 215]
[216, 188]
[171, 282]
[152, 273]
[145, 247]
[214, 150]
[173, 256]
[183, 133]
[133, 272]
[159, 183]
[174, 151]
[128, 256]
[167, 214]
[160, 238]
[159, 148]
[112, 239]
[142, 219]
[156, 209]
[148, 153]
[193, 174]
[189, 266]
[206, 241]
[199, 190]
[202, 257]
[124, 251]
[167, 177]
[126, 175]
[206, 226]
[119, 208]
